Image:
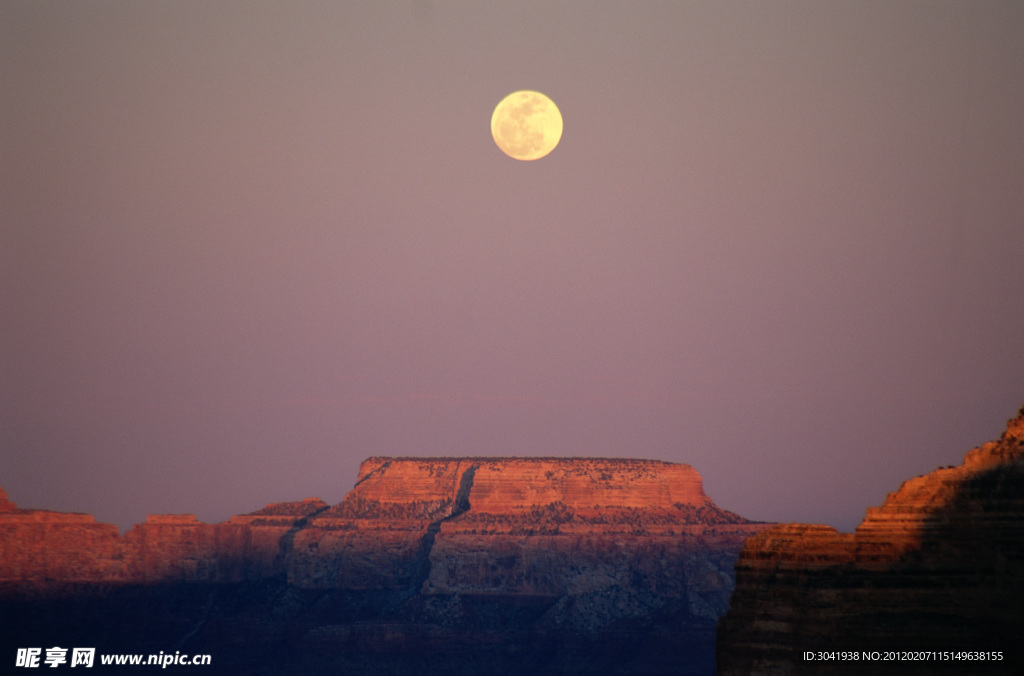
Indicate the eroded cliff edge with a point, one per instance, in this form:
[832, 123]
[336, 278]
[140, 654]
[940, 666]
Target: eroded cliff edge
[511, 565]
[938, 568]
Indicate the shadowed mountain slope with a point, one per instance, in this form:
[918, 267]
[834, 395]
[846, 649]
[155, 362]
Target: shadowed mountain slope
[933, 580]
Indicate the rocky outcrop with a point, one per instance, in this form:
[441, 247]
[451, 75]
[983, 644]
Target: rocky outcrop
[39, 546]
[514, 565]
[936, 572]
[45, 546]
[5, 504]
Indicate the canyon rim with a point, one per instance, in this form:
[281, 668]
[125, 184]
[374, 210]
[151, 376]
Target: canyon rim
[429, 565]
[538, 565]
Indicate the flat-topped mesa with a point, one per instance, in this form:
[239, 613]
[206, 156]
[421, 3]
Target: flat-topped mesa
[509, 485]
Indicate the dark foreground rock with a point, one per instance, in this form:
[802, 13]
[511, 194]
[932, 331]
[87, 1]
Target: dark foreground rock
[931, 582]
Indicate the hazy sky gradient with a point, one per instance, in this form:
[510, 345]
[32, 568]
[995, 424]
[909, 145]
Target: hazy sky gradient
[246, 245]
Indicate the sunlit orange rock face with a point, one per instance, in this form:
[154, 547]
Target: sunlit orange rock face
[939, 566]
[466, 556]
[524, 526]
[5, 504]
[40, 546]
[44, 545]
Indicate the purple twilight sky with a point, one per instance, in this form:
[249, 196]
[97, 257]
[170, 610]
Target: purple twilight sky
[245, 245]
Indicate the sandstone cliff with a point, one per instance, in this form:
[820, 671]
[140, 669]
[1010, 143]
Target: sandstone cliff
[512, 565]
[939, 566]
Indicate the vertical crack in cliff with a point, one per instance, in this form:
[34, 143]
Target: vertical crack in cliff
[421, 562]
[287, 542]
[462, 496]
[387, 463]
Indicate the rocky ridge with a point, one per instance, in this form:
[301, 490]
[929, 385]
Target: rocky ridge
[937, 568]
[547, 565]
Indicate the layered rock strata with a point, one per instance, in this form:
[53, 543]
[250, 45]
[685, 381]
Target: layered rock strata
[933, 579]
[40, 546]
[541, 565]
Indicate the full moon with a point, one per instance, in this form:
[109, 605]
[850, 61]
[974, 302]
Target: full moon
[526, 125]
